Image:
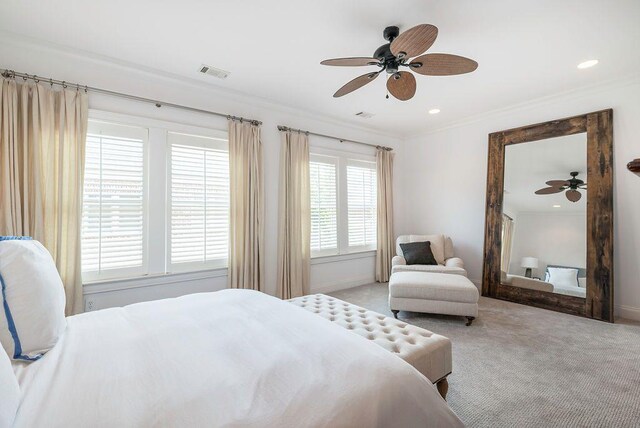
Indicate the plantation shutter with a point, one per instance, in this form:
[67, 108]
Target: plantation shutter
[114, 201]
[324, 216]
[361, 201]
[198, 202]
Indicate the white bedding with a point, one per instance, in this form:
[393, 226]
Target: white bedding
[231, 358]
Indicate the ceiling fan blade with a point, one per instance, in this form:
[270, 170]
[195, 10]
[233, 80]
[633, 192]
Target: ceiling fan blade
[402, 85]
[437, 64]
[350, 62]
[548, 191]
[557, 183]
[573, 195]
[414, 41]
[356, 83]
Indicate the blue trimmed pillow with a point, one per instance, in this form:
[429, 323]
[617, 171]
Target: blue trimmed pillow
[32, 313]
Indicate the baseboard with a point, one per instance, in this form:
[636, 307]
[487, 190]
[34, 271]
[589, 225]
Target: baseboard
[342, 285]
[627, 312]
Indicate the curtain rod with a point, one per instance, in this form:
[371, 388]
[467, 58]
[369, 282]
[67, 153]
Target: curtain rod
[7, 74]
[342, 140]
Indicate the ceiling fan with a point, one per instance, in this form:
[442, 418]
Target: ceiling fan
[571, 186]
[392, 56]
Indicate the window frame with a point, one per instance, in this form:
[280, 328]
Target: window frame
[157, 158]
[335, 161]
[190, 266]
[369, 165]
[344, 158]
[143, 269]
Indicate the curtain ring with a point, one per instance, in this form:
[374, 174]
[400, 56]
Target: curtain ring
[35, 78]
[64, 84]
[51, 82]
[86, 89]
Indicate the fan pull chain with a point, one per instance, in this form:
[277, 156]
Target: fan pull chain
[387, 97]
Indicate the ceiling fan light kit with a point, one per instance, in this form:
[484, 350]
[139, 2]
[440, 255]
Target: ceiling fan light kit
[396, 54]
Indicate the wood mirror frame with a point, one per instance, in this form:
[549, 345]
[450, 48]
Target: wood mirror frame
[598, 303]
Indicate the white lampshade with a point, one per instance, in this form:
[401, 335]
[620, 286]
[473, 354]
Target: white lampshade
[529, 262]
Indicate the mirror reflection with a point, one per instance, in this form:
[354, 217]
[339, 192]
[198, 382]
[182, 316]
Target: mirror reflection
[544, 232]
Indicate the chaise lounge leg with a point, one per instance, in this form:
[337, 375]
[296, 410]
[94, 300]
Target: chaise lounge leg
[470, 320]
[395, 313]
[443, 387]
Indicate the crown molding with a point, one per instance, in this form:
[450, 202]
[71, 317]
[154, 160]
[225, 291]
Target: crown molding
[568, 95]
[221, 92]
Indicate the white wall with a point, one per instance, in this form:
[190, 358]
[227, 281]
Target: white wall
[447, 169]
[326, 274]
[553, 238]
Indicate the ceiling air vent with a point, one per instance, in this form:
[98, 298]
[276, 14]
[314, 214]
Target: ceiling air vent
[212, 71]
[365, 115]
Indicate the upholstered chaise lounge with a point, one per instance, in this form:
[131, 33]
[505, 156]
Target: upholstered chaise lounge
[442, 248]
[441, 288]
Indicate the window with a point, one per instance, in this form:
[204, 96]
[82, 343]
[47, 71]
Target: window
[199, 202]
[324, 210]
[114, 201]
[156, 198]
[343, 202]
[361, 200]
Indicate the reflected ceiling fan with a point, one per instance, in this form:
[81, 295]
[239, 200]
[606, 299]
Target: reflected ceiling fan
[396, 54]
[572, 187]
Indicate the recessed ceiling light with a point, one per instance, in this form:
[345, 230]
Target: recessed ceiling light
[556, 206]
[588, 64]
[434, 111]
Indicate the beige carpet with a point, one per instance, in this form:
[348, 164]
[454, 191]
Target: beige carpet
[519, 366]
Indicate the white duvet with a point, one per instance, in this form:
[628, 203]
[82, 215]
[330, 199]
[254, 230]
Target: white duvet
[231, 358]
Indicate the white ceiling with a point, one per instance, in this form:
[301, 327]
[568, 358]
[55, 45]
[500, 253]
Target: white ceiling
[525, 50]
[529, 166]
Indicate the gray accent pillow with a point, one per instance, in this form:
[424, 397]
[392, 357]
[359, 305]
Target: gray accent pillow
[418, 253]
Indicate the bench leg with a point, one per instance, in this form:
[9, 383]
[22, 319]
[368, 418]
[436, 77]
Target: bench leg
[443, 387]
[395, 313]
[470, 320]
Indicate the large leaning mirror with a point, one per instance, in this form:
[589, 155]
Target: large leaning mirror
[549, 231]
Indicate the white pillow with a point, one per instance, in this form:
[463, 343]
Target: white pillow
[563, 277]
[9, 392]
[32, 315]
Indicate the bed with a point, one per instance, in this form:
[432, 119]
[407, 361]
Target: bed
[231, 358]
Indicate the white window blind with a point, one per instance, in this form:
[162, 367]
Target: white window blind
[198, 202]
[324, 214]
[114, 201]
[361, 202]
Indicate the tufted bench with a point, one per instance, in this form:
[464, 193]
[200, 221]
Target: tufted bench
[428, 352]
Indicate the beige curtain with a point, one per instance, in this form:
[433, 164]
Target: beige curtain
[42, 144]
[385, 243]
[294, 223]
[246, 222]
[507, 239]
